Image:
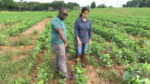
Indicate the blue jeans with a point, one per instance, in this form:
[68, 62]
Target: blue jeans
[81, 49]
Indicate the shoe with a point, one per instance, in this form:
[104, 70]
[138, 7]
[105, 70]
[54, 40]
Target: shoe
[65, 75]
[69, 78]
[83, 60]
[56, 70]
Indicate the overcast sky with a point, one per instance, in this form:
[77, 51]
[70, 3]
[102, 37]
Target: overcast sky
[114, 3]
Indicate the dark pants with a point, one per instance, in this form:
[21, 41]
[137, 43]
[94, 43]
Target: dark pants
[60, 62]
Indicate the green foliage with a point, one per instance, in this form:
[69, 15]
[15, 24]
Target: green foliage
[22, 81]
[35, 31]
[75, 7]
[79, 73]
[110, 75]
[72, 5]
[102, 6]
[138, 3]
[137, 74]
[112, 43]
[35, 6]
[50, 9]
[8, 5]
[19, 21]
[93, 5]
[21, 41]
[61, 81]
[106, 59]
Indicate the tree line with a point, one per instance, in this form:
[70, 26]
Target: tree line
[35, 6]
[137, 3]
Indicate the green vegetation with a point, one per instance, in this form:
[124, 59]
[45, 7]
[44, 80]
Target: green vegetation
[22, 5]
[93, 5]
[120, 47]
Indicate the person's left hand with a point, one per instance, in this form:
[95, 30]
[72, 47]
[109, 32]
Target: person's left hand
[89, 43]
[66, 43]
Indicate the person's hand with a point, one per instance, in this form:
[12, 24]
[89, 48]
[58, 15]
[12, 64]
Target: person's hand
[89, 43]
[66, 43]
[79, 43]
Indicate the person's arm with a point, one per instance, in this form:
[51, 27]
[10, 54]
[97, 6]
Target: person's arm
[90, 34]
[76, 34]
[79, 41]
[60, 32]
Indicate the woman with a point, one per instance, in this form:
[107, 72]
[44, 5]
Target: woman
[83, 34]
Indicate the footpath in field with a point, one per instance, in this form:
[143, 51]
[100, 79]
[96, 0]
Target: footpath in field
[92, 75]
[25, 42]
[0, 25]
[26, 35]
[39, 27]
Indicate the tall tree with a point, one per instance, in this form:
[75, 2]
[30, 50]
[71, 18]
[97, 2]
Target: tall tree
[71, 5]
[58, 4]
[93, 5]
[8, 4]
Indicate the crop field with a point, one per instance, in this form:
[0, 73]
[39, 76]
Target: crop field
[119, 54]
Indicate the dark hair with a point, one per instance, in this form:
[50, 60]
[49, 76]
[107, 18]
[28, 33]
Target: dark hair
[62, 9]
[83, 10]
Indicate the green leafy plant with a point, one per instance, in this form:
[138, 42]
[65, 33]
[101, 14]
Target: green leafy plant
[137, 74]
[79, 73]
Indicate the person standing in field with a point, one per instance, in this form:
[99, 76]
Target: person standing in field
[83, 34]
[59, 42]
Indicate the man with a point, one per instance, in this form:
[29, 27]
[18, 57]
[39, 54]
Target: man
[59, 41]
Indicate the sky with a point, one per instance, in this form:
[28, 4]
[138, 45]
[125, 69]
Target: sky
[114, 3]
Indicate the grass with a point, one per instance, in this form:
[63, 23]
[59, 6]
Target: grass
[3, 40]
[21, 41]
[25, 51]
[110, 76]
[11, 71]
[7, 56]
[17, 69]
[35, 31]
[20, 79]
[93, 61]
[0, 48]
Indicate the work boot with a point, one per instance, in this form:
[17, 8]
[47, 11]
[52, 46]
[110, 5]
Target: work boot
[83, 60]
